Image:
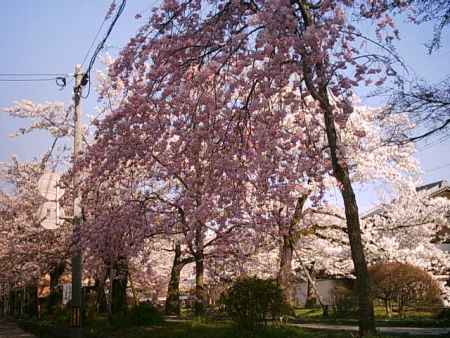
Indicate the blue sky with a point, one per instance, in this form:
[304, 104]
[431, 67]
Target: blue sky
[50, 36]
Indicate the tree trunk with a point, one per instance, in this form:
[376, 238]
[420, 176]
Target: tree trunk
[311, 300]
[366, 314]
[200, 294]
[289, 238]
[285, 271]
[316, 80]
[55, 295]
[101, 303]
[32, 300]
[119, 286]
[172, 306]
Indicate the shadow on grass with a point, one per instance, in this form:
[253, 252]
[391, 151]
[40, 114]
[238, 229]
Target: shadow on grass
[191, 329]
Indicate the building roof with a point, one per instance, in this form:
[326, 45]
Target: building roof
[431, 190]
[433, 186]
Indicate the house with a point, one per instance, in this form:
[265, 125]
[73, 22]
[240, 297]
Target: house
[439, 189]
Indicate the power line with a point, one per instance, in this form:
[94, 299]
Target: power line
[93, 41]
[33, 74]
[27, 80]
[428, 146]
[438, 167]
[59, 78]
[100, 46]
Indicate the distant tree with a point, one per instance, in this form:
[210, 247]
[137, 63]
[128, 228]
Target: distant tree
[404, 285]
[428, 104]
[437, 11]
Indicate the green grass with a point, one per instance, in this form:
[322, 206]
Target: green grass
[216, 330]
[191, 329]
[413, 318]
[206, 327]
[314, 313]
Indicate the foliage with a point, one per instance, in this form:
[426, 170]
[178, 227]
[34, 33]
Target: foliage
[444, 314]
[345, 301]
[403, 284]
[251, 301]
[413, 318]
[145, 314]
[237, 92]
[428, 104]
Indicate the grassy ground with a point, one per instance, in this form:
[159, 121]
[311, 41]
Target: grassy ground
[121, 327]
[379, 313]
[412, 318]
[193, 329]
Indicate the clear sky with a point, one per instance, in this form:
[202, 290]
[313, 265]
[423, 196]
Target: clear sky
[51, 36]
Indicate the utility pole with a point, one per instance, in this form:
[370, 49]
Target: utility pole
[77, 215]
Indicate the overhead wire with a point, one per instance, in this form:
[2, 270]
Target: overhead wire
[87, 75]
[27, 80]
[59, 78]
[93, 41]
[438, 168]
[33, 74]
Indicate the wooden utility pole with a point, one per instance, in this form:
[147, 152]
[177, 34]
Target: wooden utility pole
[77, 215]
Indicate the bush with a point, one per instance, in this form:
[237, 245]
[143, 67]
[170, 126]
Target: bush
[62, 316]
[444, 314]
[140, 315]
[345, 301]
[145, 314]
[403, 285]
[251, 301]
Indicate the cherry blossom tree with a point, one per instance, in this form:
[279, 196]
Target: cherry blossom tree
[300, 209]
[53, 118]
[314, 45]
[28, 250]
[402, 230]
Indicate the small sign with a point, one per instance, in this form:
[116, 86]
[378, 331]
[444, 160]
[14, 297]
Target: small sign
[48, 186]
[50, 215]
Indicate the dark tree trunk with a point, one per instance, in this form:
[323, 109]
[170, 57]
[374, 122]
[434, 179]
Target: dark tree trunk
[316, 79]
[198, 254]
[290, 236]
[366, 314]
[119, 286]
[32, 300]
[172, 306]
[285, 271]
[200, 294]
[11, 302]
[55, 296]
[101, 303]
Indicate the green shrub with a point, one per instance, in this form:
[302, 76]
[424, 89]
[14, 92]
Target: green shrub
[345, 301]
[444, 314]
[145, 314]
[61, 316]
[250, 302]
